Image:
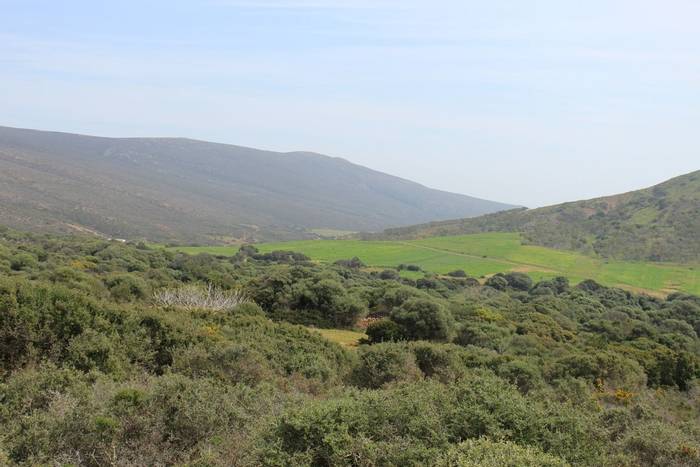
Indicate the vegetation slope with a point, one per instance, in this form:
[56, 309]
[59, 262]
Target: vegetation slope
[175, 189]
[661, 223]
[95, 370]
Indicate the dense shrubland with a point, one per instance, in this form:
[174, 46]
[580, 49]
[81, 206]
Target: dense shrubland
[96, 370]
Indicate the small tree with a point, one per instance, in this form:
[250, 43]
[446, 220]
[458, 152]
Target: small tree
[425, 319]
[497, 281]
[384, 330]
[518, 281]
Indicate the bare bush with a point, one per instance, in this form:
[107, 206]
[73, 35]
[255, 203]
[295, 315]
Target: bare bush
[192, 297]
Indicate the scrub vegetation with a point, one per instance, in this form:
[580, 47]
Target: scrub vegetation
[96, 370]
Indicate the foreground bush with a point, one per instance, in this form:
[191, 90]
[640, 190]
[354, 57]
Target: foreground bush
[415, 424]
[486, 453]
[93, 372]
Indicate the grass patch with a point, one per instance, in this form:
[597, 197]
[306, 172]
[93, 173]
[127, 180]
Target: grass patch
[348, 339]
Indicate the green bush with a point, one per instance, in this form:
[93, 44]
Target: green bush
[518, 281]
[127, 287]
[659, 445]
[381, 364]
[423, 319]
[497, 281]
[486, 453]
[483, 334]
[23, 262]
[416, 424]
[384, 330]
[444, 362]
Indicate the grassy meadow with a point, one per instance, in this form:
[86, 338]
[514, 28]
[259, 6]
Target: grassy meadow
[344, 337]
[480, 255]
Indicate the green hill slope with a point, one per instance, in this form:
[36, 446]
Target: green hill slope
[661, 223]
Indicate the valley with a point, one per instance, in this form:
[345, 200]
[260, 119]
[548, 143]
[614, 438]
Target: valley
[481, 255]
[325, 233]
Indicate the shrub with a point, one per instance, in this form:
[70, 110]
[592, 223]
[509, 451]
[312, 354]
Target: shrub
[423, 319]
[23, 262]
[389, 274]
[248, 309]
[440, 361]
[347, 310]
[606, 367]
[518, 281]
[127, 287]
[353, 263]
[280, 256]
[93, 351]
[486, 453]
[480, 334]
[497, 281]
[381, 364]
[38, 322]
[457, 273]
[415, 424]
[524, 375]
[396, 296]
[656, 444]
[384, 330]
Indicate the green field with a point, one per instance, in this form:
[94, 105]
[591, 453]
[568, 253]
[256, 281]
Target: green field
[348, 339]
[483, 254]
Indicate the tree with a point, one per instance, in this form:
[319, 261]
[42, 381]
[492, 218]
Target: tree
[518, 281]
[497, 281]
[423, 319]
[384, 330]
[352, 263]
[457, 273]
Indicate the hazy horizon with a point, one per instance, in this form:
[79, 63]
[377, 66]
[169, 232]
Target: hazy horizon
[525, 104]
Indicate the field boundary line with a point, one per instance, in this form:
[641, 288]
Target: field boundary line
[490, 258]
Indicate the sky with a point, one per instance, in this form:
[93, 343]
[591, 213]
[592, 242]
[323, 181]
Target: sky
[527, 102]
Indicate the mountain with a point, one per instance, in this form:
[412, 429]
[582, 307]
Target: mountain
[661, 223]
[176, 189]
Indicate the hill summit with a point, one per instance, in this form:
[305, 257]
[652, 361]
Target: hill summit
[175, 189]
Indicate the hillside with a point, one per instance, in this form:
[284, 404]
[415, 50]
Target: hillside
[118, 354]
[174, 189]
[661, 223]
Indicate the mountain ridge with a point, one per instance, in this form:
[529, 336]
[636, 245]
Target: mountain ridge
[189, 190]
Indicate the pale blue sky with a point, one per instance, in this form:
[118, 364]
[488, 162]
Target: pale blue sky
[529, 102]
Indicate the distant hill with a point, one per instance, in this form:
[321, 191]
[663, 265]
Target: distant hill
[174, 189]
[661, 223]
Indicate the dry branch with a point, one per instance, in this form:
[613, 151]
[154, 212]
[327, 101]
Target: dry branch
[193, 297]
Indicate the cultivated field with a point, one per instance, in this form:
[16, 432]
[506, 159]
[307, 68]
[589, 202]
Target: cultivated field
[480, 255]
